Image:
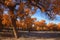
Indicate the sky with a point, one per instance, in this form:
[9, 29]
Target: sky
[42, 16]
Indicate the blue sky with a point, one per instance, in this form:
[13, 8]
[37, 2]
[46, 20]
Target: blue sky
[42, 16]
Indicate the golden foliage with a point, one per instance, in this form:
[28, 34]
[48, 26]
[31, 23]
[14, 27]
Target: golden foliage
[27, 10]
[6, 20]
[58, 26]
[9, 3]
[21, 24]
[52, 26]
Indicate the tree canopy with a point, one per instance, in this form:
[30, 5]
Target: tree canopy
[24, 9]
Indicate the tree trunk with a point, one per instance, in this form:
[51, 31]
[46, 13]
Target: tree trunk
[13, 19]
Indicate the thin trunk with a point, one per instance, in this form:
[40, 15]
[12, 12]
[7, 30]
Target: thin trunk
[13, 19]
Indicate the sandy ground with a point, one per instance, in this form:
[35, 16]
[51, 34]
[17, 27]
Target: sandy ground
[29, 38]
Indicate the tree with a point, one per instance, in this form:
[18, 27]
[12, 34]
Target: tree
[43, 25]
[40, 25]
[29, 22]
[52, 26]
[37, 26]
[21, 24]
[58, 28]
